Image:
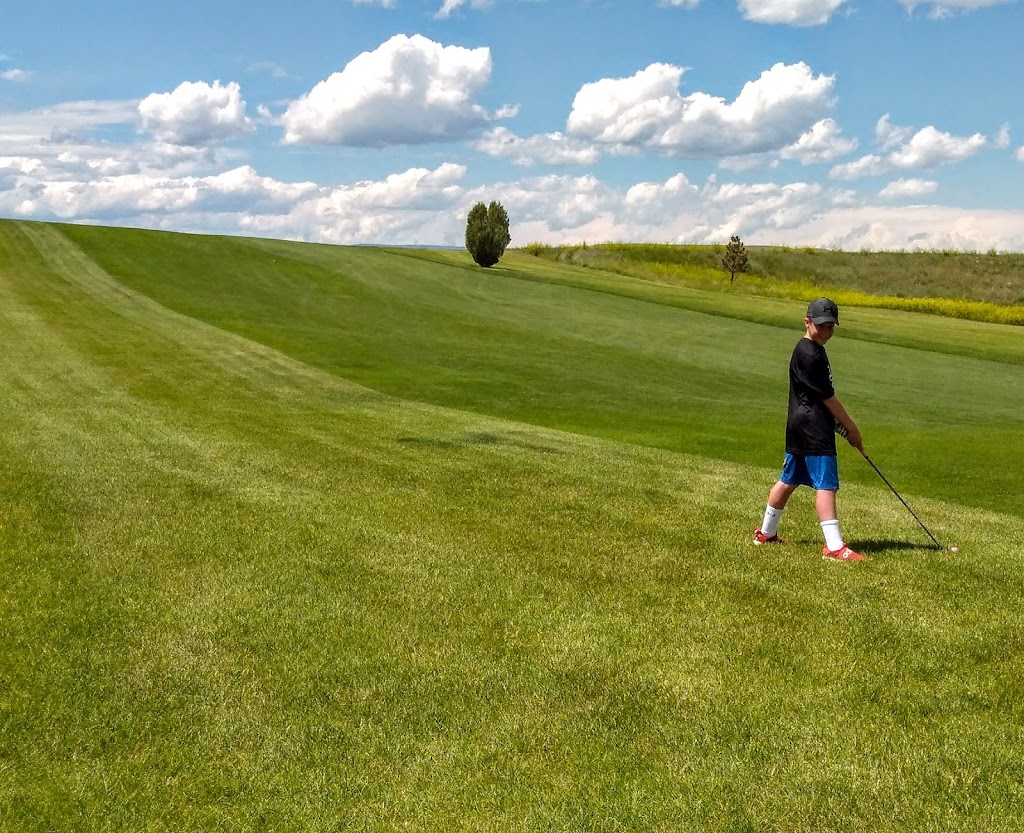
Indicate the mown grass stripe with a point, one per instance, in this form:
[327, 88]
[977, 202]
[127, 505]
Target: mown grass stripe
[238, 598]
[634, 370]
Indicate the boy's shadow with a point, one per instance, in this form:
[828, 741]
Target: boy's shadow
[873, 546]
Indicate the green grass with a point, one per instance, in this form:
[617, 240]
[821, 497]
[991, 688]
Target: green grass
[982, 287]
[312, 538]
[525, 343]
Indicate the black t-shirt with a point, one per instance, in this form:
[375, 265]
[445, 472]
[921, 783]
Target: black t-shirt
[810, 426]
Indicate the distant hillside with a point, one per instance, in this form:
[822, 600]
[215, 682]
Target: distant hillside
[985, 287]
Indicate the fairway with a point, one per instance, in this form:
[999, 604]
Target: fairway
[309, 538]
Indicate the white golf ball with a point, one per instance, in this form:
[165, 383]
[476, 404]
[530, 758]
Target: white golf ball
[954, 549]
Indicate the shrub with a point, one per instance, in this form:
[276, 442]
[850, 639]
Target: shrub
[537, 249]
[487, 233]
[735, 259]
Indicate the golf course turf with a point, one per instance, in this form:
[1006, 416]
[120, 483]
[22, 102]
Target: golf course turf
[311, 538]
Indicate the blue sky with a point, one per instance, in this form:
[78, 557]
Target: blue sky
[850, 124]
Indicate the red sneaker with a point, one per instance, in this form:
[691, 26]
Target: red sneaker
[761, 538]
[844, 553]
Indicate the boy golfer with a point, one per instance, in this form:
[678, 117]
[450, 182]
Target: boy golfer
[815, 416]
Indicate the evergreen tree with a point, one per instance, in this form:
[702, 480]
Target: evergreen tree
[735, 259]
[487, 233]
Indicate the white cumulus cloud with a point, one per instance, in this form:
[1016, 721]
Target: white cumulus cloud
[419, 188]
[415, 206]
[449, 6]
[824, 142]
[792, 12]
[869, 165]
[649, 203]
[930, 147]
[647, 111]
[926, 148]
[888, 135]
[767, 204]
[37, 130]
[429, 206]
[126, 195]
[908, 188]
[925, 227]
[547, 148]
[940, 9]
[409, 90]
[195, 113]
[559, 203]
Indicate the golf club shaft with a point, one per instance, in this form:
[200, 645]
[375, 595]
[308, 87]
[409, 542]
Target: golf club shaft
[911, 511]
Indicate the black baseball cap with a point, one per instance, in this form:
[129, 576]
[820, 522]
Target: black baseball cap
[823, 311]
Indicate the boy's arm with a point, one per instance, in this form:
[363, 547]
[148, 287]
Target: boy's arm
[837, 410]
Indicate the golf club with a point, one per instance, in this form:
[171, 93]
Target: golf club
[911, 511]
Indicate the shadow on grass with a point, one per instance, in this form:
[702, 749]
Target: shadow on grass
[873, 546]
[477, 438]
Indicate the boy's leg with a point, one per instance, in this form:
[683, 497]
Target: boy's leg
[825, 504]
[835, 548]
[825, 477]
[794, 473]
[777, 500]
[824, 471]
[779, 495]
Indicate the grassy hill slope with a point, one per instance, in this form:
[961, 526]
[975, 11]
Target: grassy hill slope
[983, 287]
[292, 540]
[622, 358]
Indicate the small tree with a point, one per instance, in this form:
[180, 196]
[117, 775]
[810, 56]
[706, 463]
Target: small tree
[487, 233]
[735, 259]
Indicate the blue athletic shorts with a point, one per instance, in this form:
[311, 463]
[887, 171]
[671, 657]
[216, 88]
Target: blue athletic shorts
[819, 471]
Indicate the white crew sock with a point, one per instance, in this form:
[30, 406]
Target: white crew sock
[770, 524]
[833, 539]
